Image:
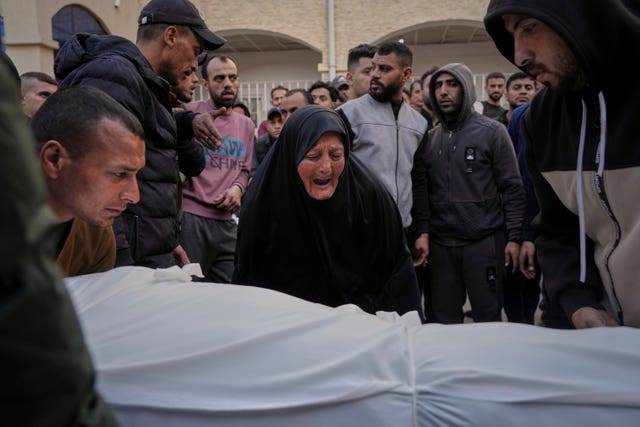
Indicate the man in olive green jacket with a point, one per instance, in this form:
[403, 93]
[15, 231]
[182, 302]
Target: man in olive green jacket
[47, 374]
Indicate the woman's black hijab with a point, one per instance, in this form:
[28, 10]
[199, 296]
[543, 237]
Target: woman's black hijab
[346, 249]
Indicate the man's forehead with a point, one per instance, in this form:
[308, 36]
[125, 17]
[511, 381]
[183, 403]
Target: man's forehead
[445, 77]
[391, 59]
[522, 81]
[217, 66]
[295, 98]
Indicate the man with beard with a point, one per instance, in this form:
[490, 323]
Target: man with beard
[36, 87]
[494, 87]
[520, 91]
[90, 150]
[389, 138]
[475, 193]
[583, 158]
[210, 199]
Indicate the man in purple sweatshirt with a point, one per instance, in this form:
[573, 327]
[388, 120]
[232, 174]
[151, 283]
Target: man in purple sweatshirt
[210, 199]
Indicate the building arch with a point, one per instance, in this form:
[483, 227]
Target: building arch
[72, 19]
[267, 59]
[260, 40]
[441, 42]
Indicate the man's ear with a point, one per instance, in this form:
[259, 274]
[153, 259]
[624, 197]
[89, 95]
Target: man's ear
[406, 73]
[52, 158]
[170, 36]
[204, 83]
[349, 77]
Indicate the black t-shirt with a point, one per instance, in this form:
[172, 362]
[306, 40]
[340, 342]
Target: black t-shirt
[495, 112]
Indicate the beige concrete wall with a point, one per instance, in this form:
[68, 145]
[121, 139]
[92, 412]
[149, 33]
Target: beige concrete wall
[28, 33]
[355, 21]
[29, 42]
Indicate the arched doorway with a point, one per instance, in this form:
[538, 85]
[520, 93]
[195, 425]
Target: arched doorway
[73, 19]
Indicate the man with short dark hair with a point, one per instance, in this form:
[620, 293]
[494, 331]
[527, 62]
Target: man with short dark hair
[91, 149]
[389, 137]
[494, 87]
[323, 94]
[264, 143]
[171, 35]
[211, 198]
[277, 95]
[294, 99]
[359, 69]
[36, 87]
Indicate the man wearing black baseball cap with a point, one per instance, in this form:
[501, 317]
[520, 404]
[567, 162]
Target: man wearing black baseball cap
[180, 12]
[264, 142]
[171, 35]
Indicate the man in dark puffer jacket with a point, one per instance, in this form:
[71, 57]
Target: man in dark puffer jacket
[171, 34]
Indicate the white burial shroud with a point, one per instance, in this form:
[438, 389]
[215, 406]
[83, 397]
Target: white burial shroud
[170, 352]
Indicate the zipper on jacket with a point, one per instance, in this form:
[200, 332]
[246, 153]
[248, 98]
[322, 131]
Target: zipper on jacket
[397, 161]
[598, 182]
[449, 168]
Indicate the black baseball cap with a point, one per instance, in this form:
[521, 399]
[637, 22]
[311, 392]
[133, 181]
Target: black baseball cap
[273, 111]
[180, 12]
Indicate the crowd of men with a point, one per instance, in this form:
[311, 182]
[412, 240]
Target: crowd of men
[138, 174]
[454, 165]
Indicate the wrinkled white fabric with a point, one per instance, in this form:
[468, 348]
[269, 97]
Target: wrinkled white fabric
[170, 352]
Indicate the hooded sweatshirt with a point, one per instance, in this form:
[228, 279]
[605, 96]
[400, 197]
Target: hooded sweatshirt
[583, 157]
[150, 227]
[472, 172]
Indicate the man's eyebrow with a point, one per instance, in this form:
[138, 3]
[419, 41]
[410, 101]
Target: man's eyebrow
[126, 168]
[517, 23]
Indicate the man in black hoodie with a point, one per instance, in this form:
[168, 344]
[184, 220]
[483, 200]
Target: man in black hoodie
[475, 193]
[582, 154]
[171, 35]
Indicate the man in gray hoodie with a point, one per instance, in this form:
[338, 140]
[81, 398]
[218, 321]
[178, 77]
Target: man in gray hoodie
[475, 192]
